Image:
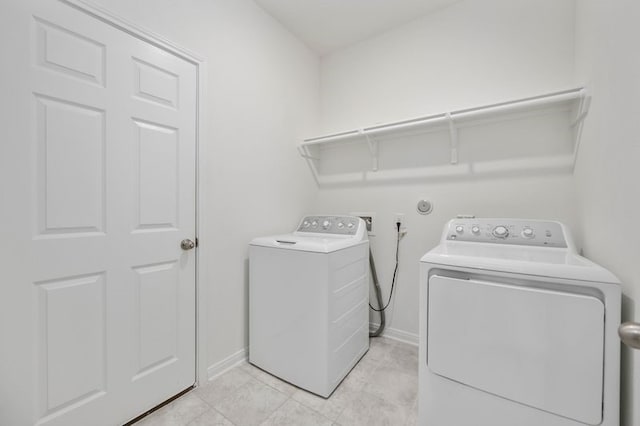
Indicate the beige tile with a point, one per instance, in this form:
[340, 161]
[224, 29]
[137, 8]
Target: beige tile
[371, 410]
[292, 413]
[383, 341]
[364, 368]
[393, 385]
[211, 418]
[380, 349]
[334, 405]
[217, 389]
[405, 358]
[250, 404]
[351, 384]
[178, 413]
[327, 407]
[396, 354]
[412, 417]
[380, 390]
[269, 379]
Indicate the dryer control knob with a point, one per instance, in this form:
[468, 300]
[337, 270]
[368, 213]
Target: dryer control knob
[326, 224]
[459, 229]
[475, 229]
[528, 233]
[350, 225]
[340, 225]
[500, 232]
[306, 224]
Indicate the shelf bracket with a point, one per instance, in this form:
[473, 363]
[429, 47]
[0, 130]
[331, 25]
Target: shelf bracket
[304, 153]
[373, 149]
[453, 135]
[583, 110]
[579, 119]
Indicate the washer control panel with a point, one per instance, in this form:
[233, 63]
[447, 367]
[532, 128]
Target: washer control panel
[341, 225]
[507, 231]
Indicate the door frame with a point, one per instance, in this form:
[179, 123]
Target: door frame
[199, 62]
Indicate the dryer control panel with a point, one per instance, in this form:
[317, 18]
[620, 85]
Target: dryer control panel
[507, 231]
[340, 225]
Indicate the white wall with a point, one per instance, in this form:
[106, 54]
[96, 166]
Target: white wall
[469, 54]
[607, 172]
[472, 52]
[528, 197]
[261, 97]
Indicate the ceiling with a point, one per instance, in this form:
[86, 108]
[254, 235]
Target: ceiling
[327, 25]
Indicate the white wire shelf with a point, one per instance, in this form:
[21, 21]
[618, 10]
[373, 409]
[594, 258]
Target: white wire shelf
[577, 98]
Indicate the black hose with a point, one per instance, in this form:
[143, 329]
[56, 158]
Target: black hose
[376, 286]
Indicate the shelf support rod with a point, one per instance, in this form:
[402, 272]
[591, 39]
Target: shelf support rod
[453, 142]
[303, 151]
[579, 119]
[310, 157]
[373, 149]
[583, 110]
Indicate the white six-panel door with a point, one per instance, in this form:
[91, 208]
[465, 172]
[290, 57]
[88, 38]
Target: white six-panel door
[110, 138]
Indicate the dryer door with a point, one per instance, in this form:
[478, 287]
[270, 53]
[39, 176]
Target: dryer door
[536, 347]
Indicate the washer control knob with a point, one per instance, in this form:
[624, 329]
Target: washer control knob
[350, 225]
[340, 225]
[475, 229]
[528, 233]
[326, 224]
[459, 229]
[306, 224]
[314, 224]
[500, 232]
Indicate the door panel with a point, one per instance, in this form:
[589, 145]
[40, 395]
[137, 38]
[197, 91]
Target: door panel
[155, 84]
[156, 296]
[67, 52]
[108, 144]
[71, 197]
[72, 338]
[156, 176]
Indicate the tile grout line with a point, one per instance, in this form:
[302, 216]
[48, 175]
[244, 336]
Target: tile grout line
[318, 412]
[376, 362]
[211, 407]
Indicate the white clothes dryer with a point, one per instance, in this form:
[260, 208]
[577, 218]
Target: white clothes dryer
[516, 329]
[308, 302]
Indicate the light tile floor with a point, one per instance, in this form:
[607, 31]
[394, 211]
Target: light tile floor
[381, 390]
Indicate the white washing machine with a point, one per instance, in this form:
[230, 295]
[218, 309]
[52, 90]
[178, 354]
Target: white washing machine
[308, 302]
[516, 329]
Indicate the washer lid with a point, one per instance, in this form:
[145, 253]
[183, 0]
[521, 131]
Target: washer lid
[528, 260]
[317, 243]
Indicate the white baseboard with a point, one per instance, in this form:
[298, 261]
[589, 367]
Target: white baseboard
[227, 364]
[242, 355]
[395, 334]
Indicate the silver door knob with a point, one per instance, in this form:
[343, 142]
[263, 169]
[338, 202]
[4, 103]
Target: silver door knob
[629, 333]
[187, 244]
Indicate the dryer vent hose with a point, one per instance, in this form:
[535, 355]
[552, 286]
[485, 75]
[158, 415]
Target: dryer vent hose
[376, 286]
